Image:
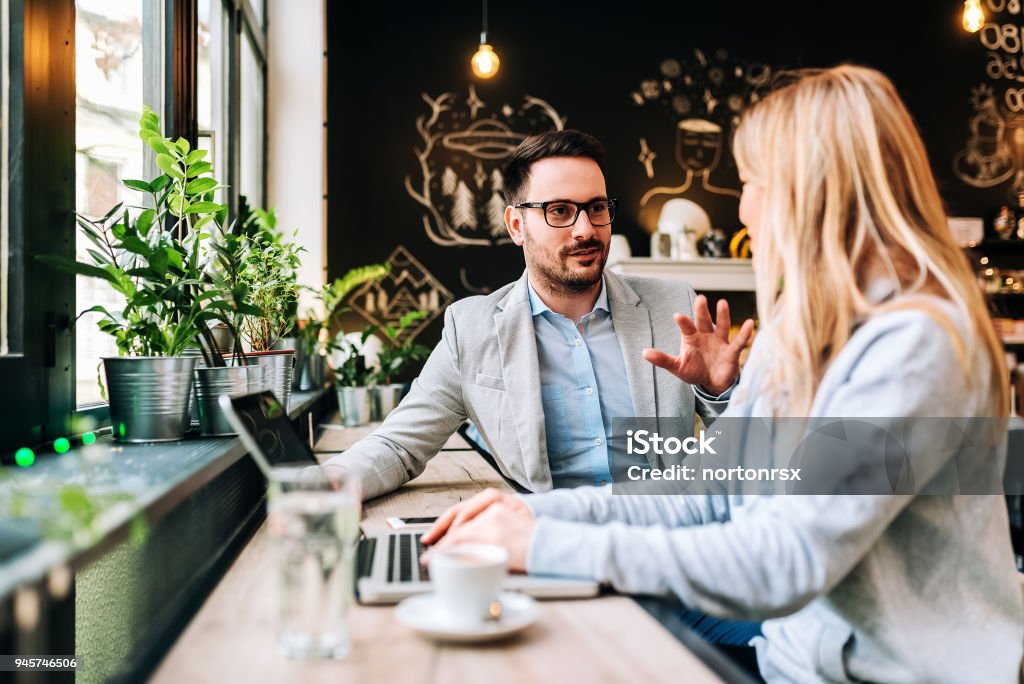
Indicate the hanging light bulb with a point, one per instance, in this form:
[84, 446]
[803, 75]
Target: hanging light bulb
[974, 16]
[485, 62]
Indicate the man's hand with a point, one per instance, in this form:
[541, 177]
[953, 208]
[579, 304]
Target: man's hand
[500, 523]
[706, 356]
[465, 511]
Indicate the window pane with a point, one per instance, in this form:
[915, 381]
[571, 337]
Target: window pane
[251, 132]
[257, 9]
[114, 53]
[211, 84]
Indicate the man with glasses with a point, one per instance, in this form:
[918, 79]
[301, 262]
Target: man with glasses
[543, 365]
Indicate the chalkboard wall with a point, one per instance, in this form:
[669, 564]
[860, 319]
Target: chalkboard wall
[414, 140]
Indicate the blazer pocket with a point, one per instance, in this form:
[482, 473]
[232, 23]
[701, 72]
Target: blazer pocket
[490, 381]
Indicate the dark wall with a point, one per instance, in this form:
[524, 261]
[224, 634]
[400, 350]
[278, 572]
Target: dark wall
[588, 61]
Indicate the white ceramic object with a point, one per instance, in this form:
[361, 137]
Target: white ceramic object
[426, 615]
[687, 222]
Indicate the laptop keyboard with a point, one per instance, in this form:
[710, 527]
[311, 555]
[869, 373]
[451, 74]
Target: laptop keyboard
[404, 551]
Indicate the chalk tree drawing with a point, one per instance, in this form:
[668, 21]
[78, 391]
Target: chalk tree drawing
[460, 135]
[408, 287]
[986, 161]
[701, 99]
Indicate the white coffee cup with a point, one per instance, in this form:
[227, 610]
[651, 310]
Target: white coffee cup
[467, 579]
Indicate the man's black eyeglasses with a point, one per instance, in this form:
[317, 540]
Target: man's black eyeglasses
[563, 214]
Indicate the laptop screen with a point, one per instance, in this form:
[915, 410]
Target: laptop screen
[267, 426]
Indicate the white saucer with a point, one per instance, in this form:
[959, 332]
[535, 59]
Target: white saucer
[426, 615]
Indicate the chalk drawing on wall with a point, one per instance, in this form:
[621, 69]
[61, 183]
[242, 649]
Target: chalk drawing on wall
[463, 146]
[701, 99]
[987, 158]
[408, 287]
[646, 158]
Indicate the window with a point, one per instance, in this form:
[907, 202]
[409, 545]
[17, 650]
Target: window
[252, 126]
[201, 65]
[212, 59]
[112, 57]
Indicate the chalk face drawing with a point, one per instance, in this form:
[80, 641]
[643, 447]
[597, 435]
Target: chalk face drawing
[408, 287]
[463, 145]
[700, 100]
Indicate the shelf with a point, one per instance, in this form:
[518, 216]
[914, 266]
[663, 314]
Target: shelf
[717, 275]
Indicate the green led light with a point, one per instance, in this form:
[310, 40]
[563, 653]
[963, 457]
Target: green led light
[61, 445]
[88, 438]
[24, 457]
[120, 429]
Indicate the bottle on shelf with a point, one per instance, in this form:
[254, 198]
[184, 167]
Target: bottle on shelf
[1005, 223]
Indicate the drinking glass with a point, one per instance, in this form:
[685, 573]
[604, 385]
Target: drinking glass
[314, 516]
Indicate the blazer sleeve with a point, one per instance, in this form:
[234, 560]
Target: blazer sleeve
[417, 429]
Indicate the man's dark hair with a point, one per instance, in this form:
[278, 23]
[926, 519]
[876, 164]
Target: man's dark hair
[569, 143]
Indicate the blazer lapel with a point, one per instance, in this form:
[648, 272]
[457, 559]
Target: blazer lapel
[520, 370]
[632, 323]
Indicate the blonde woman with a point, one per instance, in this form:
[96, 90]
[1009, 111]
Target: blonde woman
[868, 308]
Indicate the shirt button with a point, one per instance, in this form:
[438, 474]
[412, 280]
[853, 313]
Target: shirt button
[597, 441]
[590, 390]
[578, 341]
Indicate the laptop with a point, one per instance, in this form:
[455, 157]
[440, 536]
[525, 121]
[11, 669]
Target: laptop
[389, 565]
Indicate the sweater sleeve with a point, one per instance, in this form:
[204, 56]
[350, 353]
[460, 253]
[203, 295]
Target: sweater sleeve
[777, 554]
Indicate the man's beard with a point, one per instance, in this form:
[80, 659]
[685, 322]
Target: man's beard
[560, 279]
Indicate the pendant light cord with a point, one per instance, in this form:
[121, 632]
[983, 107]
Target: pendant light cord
[483, 34]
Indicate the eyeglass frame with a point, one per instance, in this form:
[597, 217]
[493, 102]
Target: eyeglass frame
[580, 207]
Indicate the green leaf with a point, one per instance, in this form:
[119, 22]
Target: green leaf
[203, 208]
[155, 141]
[140, 185]
[194, 156]
[145, 221]
[169, 166]
[176, 203]
[149, 121]
[200, 185]
[159, 183]
[182, 145]
[71, 266]
[199, 168]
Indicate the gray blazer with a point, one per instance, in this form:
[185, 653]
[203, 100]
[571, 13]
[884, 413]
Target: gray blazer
[485, 369]
[858, 588]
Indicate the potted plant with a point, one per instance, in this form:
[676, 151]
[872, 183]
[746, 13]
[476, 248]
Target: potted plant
[268, 272]
[353, 379]
[226, 251]
[151, 256]
[397, 359]
[316, 329]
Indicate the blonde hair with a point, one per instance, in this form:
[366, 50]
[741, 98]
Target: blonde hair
[849, 198]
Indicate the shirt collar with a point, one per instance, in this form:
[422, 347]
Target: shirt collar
[537, 305]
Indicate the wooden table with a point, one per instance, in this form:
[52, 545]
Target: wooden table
[607, 639]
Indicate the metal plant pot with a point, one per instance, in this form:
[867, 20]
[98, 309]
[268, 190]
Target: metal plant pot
[209, 384]
[295, 344]
[149, 396]
[280, 369]
[223, 338]
[384, 399]
[312, 373]
[354, 405]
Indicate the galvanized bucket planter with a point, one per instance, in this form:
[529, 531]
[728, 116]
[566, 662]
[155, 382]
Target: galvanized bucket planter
[311, 372]
[149, 396]
[354, 405]
[384, 399]
[280, 365]
[210, 383]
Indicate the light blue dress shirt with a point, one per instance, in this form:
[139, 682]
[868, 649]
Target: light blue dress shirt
[583, 385]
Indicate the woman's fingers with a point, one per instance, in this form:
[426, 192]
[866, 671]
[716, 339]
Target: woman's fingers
[460, 513]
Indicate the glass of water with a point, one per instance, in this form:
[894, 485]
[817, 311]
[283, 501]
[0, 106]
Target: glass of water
[315, 517]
